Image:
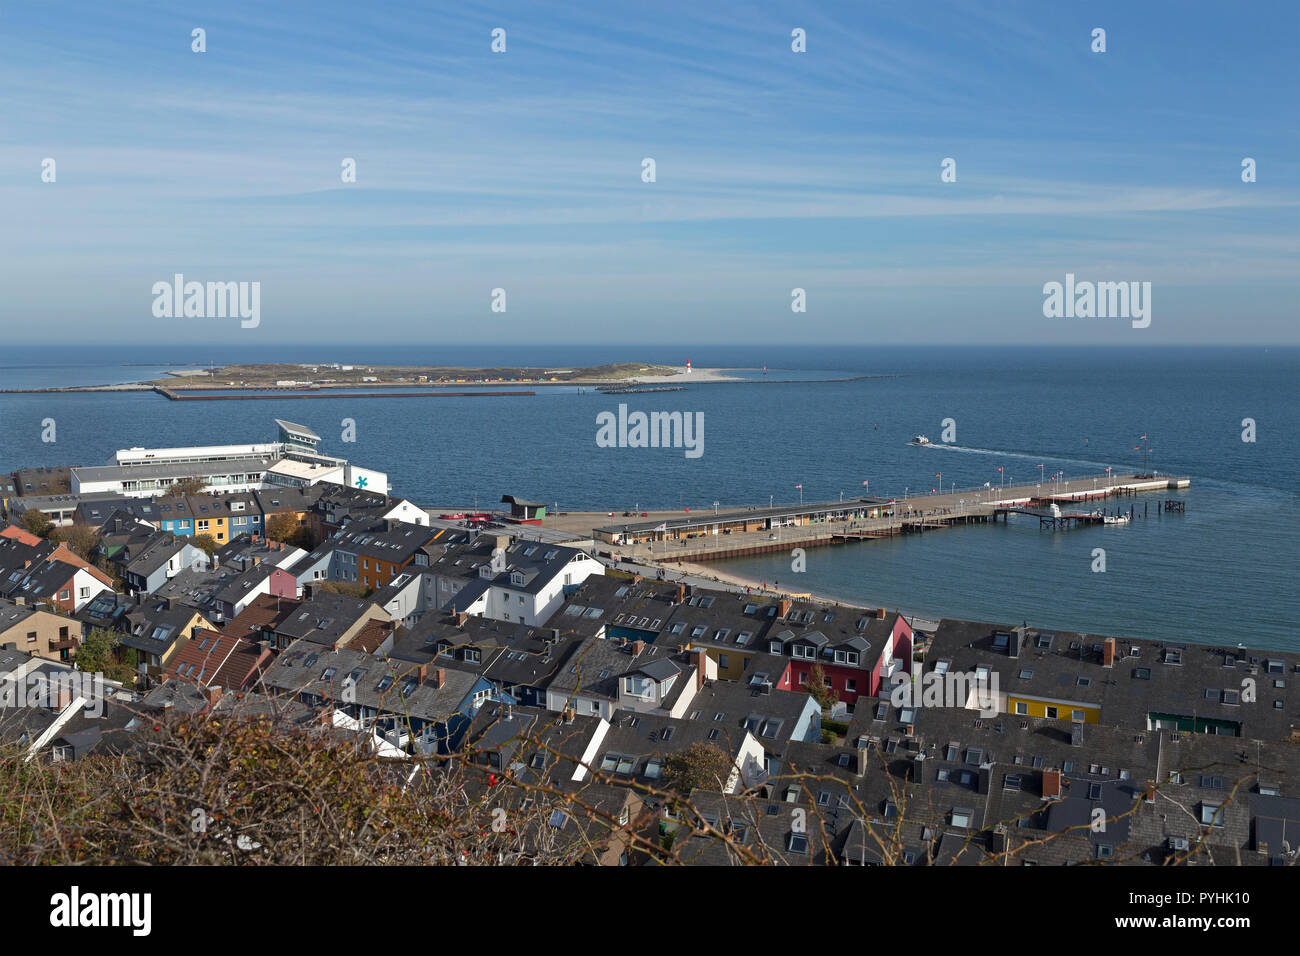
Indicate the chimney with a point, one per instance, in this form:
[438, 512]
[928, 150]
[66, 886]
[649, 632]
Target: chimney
[212, 695]
[636, 579]
[461, 618]
[701, 659]
[681, 594]
[1016, 641]
[1051, 783]
[863, 756]
[1108, 652]
[256, 560]
[19, 600]
[1149, 795]
[637, 648]
[439, 677]
[421, 674]
[783, 607]
[998, 842]
[880, 614]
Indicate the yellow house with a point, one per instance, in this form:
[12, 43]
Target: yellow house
[1053, 709]
[731, 663]
[210, 518]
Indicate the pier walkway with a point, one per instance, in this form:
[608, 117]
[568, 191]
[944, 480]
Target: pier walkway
[704, 537]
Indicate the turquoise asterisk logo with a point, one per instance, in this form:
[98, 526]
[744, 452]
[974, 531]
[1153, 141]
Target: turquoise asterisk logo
[361, 482]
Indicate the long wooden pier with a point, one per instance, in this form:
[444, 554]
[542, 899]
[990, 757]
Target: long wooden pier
[739, 533]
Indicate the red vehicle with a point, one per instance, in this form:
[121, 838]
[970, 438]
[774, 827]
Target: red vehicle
[455, 517]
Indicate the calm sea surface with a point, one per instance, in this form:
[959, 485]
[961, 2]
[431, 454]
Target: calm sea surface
[1224, 572]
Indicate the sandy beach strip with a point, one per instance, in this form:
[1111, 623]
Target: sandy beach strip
[684, 377]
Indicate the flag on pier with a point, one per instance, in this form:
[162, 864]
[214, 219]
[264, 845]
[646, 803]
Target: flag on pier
[800, 487]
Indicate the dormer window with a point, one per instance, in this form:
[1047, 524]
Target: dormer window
[517, 579]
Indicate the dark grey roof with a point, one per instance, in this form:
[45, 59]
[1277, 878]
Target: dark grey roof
[1147, 677]
[659, 670]
[325, 617]
[364, 680]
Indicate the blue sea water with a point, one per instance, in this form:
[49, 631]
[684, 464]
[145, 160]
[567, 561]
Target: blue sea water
[1223, 572]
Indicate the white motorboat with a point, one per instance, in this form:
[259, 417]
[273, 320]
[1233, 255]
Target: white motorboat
[919, 440]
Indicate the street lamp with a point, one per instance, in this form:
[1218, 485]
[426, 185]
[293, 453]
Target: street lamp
[715, 509]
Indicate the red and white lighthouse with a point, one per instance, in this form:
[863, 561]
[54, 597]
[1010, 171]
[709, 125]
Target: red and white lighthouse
[688, 366]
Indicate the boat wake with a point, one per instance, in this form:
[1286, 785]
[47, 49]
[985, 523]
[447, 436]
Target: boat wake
[1000, 453]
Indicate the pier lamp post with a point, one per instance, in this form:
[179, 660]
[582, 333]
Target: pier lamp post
[715, 509]
[1040, 479]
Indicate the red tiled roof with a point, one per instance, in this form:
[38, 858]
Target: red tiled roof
[213, 659]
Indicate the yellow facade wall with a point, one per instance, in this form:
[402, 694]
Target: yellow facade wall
[1037, 707]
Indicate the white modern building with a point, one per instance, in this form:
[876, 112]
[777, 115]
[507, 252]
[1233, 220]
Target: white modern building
[291, 462]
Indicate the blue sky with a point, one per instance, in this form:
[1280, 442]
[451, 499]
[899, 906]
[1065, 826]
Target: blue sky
[775, 170]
